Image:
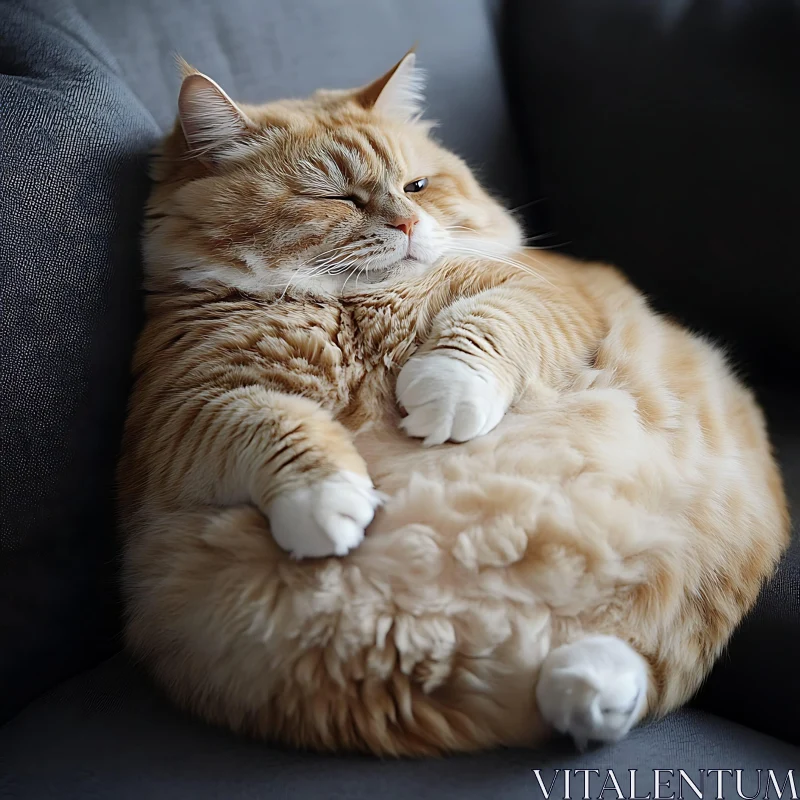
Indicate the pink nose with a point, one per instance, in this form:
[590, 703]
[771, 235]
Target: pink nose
[405, 224]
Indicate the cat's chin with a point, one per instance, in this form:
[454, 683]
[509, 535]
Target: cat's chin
[350, 283]
[405, 269]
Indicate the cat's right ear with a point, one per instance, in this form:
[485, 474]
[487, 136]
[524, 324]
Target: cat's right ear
[211, 121]
[398, 93]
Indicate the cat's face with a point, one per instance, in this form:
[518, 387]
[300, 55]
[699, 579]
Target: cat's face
[336, 193]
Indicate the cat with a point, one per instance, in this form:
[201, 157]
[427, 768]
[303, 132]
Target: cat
[392, 482]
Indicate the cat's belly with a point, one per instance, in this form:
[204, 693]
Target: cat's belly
[560, 483]
[514, 539]
[549, 441]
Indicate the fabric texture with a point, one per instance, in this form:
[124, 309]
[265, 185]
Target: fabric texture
[72, 155]
[107, 734]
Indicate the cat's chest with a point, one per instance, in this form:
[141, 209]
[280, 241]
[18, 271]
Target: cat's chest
[348, 348]
[384, 334]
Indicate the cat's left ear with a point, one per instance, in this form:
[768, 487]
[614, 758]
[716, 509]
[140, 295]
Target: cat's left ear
[397, 94]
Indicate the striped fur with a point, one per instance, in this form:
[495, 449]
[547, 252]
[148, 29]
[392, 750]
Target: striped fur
[629, 490]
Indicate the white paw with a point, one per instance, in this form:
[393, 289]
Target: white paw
[594, 689]
[327, 518]
[448, 400]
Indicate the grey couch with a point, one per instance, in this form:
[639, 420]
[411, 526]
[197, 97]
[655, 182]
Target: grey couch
[660, 134]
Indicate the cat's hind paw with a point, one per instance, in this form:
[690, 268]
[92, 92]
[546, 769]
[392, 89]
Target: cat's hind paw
[327, 518]
[594, 689]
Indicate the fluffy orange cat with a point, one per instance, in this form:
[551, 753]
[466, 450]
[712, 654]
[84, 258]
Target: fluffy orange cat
[392, 482]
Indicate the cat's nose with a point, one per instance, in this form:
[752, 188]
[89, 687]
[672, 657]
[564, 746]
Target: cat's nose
[405, 224]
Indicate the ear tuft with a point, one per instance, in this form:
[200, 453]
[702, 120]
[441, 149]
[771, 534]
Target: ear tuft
[399, 93]
[184, 67]
[209, 118]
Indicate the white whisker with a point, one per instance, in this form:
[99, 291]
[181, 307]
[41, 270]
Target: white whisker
[345, 281]
[486, 252]
[454, 228]
[527, 205]
[360, 273]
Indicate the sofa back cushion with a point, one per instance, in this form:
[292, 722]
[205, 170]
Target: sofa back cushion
[667, 138]
[73, 153]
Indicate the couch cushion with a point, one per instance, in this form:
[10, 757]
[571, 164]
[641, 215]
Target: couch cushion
[107, 734]
[666, 136]
[72, 155]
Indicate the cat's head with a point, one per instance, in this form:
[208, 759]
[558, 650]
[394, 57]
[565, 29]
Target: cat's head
[343, 190]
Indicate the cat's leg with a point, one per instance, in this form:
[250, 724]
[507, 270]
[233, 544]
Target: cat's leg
[482, 352]
[460, 383]
[284, 454]
[320, 499]
[594, 689]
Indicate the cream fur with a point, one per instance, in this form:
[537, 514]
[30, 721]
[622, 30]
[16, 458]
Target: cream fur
[607, 519]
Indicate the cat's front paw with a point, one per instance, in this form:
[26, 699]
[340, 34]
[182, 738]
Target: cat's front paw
[446, 399]
[327, 518]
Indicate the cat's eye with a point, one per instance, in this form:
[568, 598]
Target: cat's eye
[357, 201]
[415, 186]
